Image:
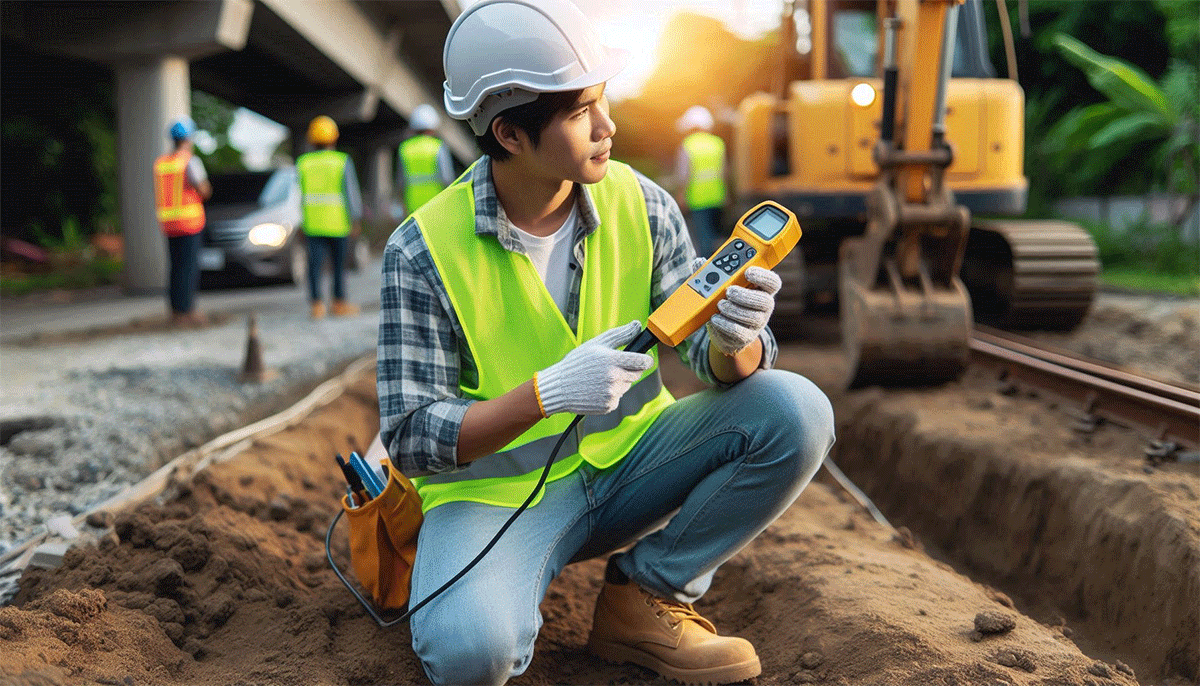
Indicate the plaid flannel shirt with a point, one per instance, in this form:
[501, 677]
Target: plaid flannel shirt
[422, 351]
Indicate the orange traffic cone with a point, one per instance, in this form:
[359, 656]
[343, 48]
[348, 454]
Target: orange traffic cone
[253, 370]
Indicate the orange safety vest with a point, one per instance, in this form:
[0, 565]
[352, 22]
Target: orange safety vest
[178, 204]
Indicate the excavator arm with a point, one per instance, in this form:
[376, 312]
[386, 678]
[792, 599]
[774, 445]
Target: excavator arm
[906, 316]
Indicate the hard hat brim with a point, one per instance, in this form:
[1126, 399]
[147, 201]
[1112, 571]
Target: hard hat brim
[474, 103]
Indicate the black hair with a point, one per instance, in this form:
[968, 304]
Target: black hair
[532, 118]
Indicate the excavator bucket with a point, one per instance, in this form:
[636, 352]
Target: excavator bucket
[898, 335]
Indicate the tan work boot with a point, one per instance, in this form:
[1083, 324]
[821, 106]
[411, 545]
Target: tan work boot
[667, 636]
[341, 308]
[318, 310]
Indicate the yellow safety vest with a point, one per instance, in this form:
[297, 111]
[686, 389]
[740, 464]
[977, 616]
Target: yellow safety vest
[322, 180]
[419, 156]
[513, 329]
[706, 162]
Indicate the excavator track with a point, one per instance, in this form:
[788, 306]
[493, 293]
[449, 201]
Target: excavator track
[787, 322]
[1030, 274]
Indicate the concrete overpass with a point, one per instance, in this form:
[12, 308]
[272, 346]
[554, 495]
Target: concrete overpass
[367, 64]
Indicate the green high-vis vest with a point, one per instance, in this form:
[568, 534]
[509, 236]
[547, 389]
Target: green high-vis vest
[322, 187]
[514, 329]
[706, 161]
[419, 156]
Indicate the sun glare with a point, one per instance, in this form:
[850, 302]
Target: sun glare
[639, 26]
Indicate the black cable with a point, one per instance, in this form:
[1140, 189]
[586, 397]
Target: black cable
[644, 341]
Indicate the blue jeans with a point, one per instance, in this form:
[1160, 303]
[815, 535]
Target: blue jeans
[184, 279]
[707, 232]
[318, 247]
[731, 461]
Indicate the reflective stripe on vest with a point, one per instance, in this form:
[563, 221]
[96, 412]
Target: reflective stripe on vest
[322, 180]
[706, 162]
[513, 329]
[177, 204]
[419, 157]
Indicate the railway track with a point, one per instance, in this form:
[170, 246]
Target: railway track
[1167, 414]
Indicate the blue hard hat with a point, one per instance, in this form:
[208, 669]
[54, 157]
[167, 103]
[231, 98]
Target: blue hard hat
[183, 129]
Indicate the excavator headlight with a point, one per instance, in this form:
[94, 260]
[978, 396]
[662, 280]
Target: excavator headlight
[863, 94]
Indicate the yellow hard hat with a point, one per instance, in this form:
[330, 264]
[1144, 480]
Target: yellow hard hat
[322, 131]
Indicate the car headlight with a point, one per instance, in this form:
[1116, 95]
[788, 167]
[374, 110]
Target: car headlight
[270, 235]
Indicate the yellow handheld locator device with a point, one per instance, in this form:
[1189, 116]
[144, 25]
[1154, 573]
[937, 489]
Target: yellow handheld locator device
[761, 238]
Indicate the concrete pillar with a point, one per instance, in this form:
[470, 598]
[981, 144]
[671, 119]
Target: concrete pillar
[378, 181]
[151, 93]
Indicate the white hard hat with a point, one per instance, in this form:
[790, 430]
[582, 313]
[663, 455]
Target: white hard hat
[502, 53]
[696, 117]
[424, 118]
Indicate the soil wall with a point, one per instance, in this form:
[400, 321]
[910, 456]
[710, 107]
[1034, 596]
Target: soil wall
[1113, 547]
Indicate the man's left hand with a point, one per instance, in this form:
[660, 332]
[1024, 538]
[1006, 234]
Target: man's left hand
[743, 313]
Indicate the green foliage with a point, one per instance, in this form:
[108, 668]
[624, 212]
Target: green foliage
[1131, 31]
[214, 115]
[1144, 280]
[97, 272]
[59, 151]
[1182, 27]
[1158, 119]
[1146, 247]
[100, 134]
[70, 238]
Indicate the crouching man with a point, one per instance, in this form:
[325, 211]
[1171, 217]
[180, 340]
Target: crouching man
[506, 301]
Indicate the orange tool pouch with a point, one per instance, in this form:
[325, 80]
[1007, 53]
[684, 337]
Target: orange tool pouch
[383, 540]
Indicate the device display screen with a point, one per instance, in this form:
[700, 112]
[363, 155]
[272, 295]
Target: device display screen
[767, 222]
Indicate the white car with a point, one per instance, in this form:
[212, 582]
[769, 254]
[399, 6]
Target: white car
[253, 228]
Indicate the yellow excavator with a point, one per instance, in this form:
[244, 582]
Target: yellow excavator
[894, 135]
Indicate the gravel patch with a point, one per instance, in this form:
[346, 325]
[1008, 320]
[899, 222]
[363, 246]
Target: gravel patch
[80, 421]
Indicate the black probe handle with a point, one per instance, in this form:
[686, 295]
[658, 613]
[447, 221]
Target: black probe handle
[644, 341]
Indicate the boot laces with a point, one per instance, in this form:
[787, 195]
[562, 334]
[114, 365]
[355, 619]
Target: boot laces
[679, 612]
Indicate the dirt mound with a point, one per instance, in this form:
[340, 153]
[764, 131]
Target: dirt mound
[77, 636]
[226, 582]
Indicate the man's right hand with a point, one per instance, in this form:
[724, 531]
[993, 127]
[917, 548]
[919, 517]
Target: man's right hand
[592, 378]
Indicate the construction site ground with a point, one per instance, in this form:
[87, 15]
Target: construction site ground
[1024, 553]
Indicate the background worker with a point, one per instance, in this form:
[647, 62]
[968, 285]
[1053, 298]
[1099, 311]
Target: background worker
[505, 303]
[332, 213]
[423, 163]
[700, 170]
[180, 188]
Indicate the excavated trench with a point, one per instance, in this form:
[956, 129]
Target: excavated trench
[1109, 550]
[223, 575]
[1072, 525]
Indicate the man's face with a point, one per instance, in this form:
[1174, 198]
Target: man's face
[575, 145]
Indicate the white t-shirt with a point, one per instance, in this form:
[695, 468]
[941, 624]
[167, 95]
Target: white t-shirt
[551, 256]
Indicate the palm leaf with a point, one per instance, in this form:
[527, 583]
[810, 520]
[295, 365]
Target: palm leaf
[1138, 126]
[1123, 83]
[1073, 132]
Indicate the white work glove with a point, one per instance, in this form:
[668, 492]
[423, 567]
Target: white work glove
[743, 313]
[592, 378]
